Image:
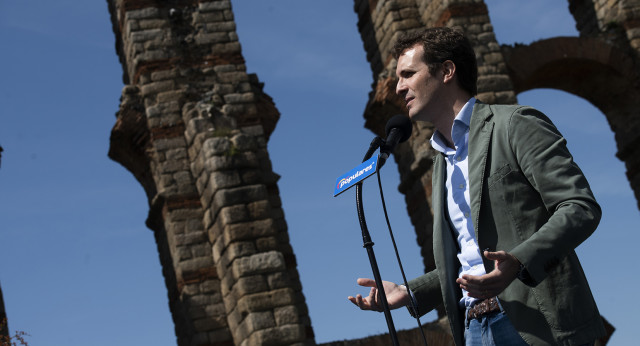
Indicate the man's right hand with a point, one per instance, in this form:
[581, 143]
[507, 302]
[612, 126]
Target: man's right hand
[397, 296]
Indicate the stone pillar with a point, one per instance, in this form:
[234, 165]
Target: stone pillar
[193, 128]
[4, 324]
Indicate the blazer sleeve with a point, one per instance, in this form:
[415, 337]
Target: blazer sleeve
[427, 293]
[574, 214]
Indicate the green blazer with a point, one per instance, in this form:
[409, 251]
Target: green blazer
[528, 198]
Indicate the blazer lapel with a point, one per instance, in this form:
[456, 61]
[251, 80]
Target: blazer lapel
[480, 131]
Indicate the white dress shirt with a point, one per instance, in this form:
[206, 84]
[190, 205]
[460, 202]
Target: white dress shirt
[457, 192]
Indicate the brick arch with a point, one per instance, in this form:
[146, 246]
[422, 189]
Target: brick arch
[588, 67]
[593, 69]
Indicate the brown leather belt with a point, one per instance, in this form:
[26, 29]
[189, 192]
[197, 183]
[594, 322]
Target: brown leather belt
[483, 308]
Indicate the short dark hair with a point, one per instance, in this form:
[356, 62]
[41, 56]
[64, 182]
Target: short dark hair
[441, 44]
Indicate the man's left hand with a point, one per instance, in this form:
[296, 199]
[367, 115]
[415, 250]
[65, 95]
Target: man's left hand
[491, 284]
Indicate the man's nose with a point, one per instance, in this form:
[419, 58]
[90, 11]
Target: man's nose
[400, 87]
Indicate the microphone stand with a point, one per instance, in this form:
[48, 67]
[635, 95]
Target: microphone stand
[368, 244]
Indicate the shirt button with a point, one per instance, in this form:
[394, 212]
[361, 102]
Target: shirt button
[466, 214]
[458, 158]
[462, 186]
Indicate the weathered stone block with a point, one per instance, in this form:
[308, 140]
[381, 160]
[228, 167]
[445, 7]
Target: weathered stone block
[233, 214]
[172, 167]
[193, 268]
[286, 315]
[202, 299]
[177, 154]
[239, 195]
[211, 38]
[494, 83]
[252, 176]
[152, 55]
[266, 300]
[493, 58]
[248, 230]
[259, 210]
[215, 309]
[267, 244]
[191, 238]
[184, 183]
[169, 96]
[238, 109]
[234, 317]
[206, 324]
[281, 335]
[237, 250]
[259, 320]
[130, 27]
[278, 280]
[201, 250]
[157, 87]
[196, 126]
[145, 13]
[244, 142]
[162, 109]
[183, 253]
[215, 183]
[142, 36]
[259, 263]
[219, 336]
[234, 160]
[208, 17]
[146, 24]
[214, 6]
[255, 131]
[209, 286]
[223, 180]
[249, 285]
[188, 291]
[239, 98]
[220, 27]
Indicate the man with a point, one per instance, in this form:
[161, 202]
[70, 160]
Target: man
[510, 206]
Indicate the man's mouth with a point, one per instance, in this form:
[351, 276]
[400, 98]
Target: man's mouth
[408, 100]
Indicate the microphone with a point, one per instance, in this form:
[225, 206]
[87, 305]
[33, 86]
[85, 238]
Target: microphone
[398, 130]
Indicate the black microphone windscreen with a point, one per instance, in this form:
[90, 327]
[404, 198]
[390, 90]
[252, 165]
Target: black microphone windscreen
[401, 122]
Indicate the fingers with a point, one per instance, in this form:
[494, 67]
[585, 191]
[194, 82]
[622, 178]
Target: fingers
[368, 303]
[494, 282]
[357, 301]
[366, 282]
[495, 256]
[480, 292]
[373, 296]
[371, 302]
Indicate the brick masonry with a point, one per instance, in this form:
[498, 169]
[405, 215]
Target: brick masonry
[193, 128]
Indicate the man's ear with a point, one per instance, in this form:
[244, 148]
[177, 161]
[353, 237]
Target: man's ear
[448, 70]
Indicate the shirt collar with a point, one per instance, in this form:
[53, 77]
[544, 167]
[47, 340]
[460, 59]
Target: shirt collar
[465, 113]
[463, 118]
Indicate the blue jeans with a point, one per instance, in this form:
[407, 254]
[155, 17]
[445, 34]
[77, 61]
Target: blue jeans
[493, 329]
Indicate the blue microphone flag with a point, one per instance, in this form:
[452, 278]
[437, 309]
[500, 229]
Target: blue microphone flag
[356, 175]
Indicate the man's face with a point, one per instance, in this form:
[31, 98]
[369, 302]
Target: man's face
[418, 87]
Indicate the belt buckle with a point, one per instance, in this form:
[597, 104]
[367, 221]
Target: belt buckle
[482, 308]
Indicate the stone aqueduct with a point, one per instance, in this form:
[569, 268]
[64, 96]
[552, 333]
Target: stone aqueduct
[193, 126]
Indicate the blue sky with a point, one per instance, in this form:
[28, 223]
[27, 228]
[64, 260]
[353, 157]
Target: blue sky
[77, 264]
